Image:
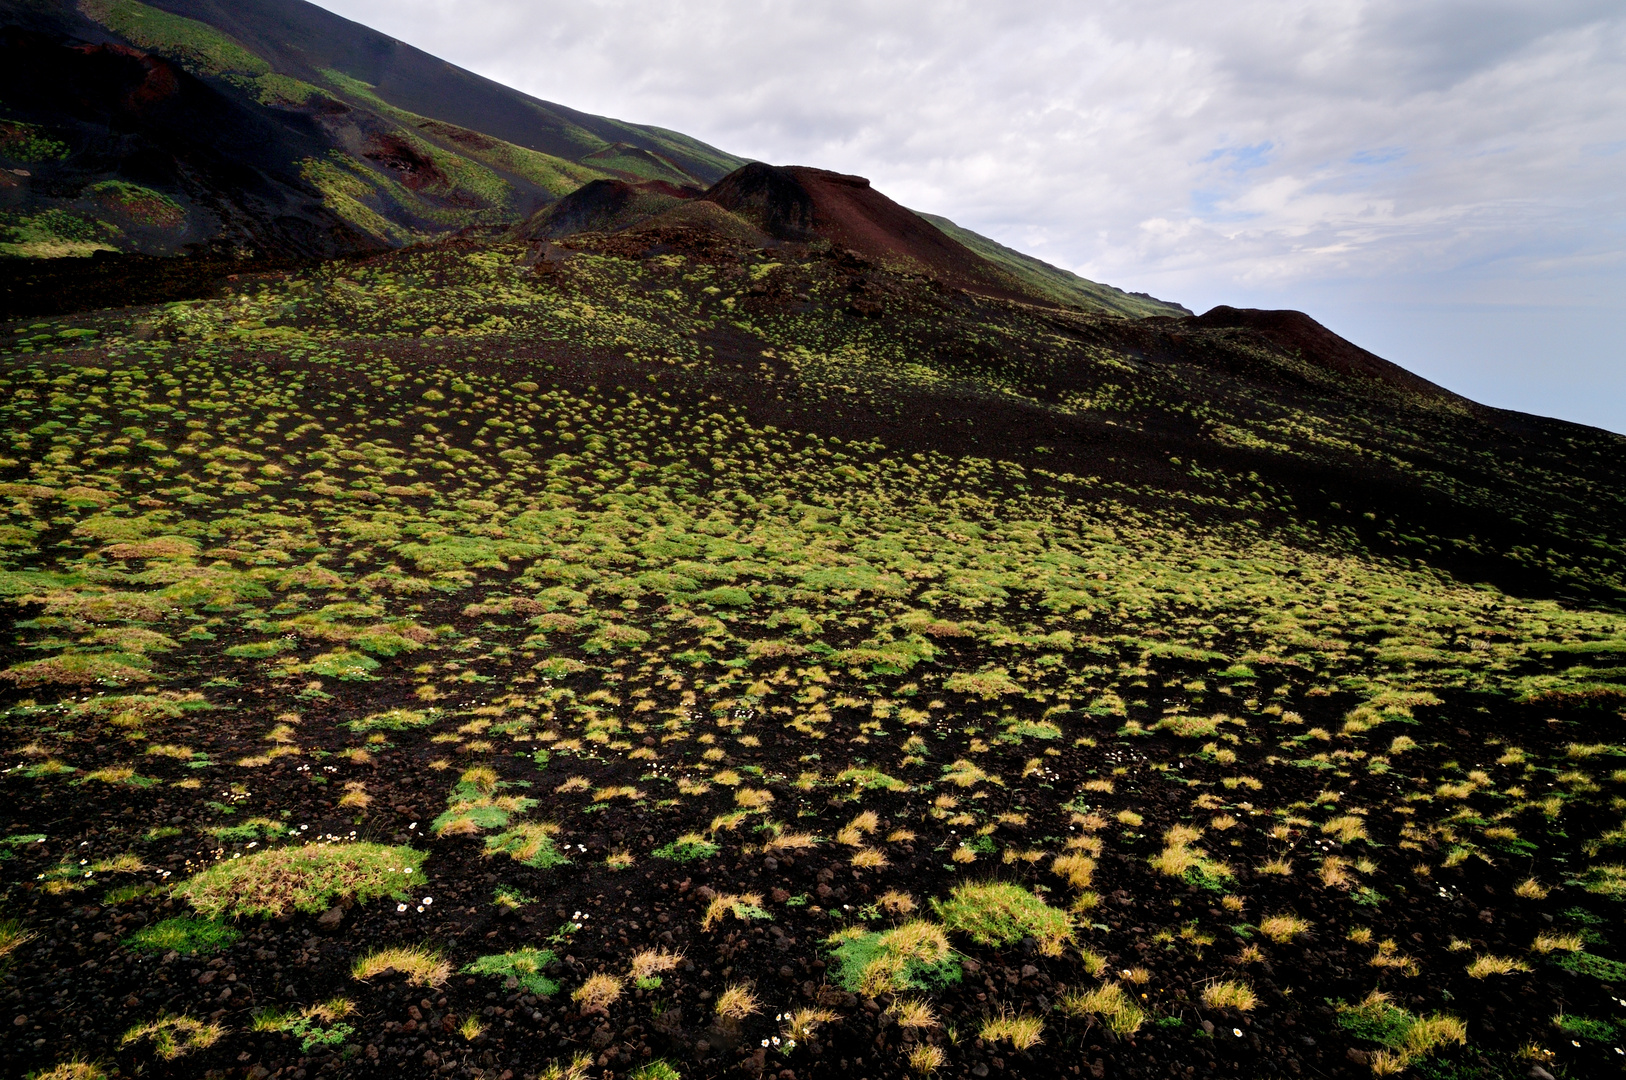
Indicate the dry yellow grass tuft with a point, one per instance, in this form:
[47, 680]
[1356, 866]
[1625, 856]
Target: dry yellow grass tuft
[599, 991]
[1230, 994]
[1531, 889]
[790, 842]
[421, 965]
[175, 1036]
[1022, 1031]
[74, 1069]
[736, 1002]
[652, 962]
[802, 1023]
[1078, 869]
[1110, 1003]
[1345, 829]
[1483, 967]
[576, 1070]
[912, 1013]
[926, 1059]
[868, 859]
[1549, 942]
[1282, 928]
[1335, 873]
[895, 903]
[728, 904]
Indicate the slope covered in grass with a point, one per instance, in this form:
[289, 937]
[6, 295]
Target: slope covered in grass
[724, 635]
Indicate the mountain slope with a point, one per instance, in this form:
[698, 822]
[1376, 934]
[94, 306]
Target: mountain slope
[799, 205]
[274, 127]
[1061, 286]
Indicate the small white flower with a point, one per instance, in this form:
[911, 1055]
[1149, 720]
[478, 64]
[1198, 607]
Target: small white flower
[428, 900]
[400, 907]
[1237, 1032]
[420, 909]
[764, 1042]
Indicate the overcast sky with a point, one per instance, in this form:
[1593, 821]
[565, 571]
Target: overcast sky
[1441, 181]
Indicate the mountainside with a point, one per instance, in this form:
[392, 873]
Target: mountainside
[274, 127]
[1055, 284]
[766, 206]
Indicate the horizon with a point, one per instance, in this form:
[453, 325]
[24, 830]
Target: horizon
[1330, 162]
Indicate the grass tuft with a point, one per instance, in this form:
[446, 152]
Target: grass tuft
[1022, 1031]
[422, 966]
[1001, 913]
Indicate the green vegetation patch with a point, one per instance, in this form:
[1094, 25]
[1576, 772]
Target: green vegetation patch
[524, 966]
[140, 204]
[187, 936]
[915, 955]
[395, 720]
[687, 849]
[308, 878]
[29, 143]
[1598, 967]
[199, 47]
[1002, 913]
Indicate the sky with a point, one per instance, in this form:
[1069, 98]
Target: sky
[1442, 182]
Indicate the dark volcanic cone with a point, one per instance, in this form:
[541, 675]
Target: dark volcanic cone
[599, 206]
[1297, 333]
[800, 204]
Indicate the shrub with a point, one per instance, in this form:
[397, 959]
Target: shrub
[308, 878]
[1000, 913]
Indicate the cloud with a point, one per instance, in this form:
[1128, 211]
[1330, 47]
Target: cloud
[1209, 152]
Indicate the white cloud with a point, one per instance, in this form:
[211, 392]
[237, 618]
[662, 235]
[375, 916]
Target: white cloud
[1458, 151]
